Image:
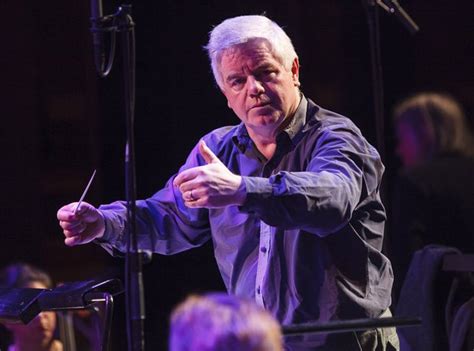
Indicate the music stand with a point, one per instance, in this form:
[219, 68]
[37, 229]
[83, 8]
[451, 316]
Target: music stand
[23, 305]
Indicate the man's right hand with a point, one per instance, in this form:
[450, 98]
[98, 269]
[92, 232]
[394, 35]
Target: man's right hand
[83, 226]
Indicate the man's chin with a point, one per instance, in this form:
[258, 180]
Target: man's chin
[268, 117]
[263, 120]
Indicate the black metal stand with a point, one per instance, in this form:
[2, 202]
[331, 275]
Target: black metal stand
[372, 7]
[23, 305]
[394, 8]
[377, 77]
[122, 22]
[349, 325]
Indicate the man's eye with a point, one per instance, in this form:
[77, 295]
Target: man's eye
[266, 74]
[237, 82]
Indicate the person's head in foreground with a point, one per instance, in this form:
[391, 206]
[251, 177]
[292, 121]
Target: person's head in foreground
[429, 125]
[220, 322]
[38, 334]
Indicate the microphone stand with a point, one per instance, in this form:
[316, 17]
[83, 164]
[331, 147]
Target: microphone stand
[122, 22]
[392, 7]
[377, 79]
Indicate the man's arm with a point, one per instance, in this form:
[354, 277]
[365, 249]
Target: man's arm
[343, 172]
[164, 223]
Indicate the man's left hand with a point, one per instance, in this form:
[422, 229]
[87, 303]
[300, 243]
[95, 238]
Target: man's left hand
[212, 185]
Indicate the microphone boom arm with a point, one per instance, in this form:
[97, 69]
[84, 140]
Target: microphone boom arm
[393, 7]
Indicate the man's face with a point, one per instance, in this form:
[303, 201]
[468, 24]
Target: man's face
[258, 88]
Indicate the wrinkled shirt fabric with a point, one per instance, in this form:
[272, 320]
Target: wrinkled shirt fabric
[306, 244]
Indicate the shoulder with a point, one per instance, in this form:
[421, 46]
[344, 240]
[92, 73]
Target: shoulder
[328, 120]
[220, 135]
[332, 127]
[220, 140]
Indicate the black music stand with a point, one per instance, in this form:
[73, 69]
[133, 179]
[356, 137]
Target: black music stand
[23, 305]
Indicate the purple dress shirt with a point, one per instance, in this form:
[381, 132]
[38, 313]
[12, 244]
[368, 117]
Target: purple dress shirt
[306, 244]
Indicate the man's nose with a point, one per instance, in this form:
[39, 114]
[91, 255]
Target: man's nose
[255, 86]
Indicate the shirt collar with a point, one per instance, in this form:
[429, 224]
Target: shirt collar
[242, 139]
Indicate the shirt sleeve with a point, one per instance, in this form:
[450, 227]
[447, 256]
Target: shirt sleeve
[164, 224]
[343, 172]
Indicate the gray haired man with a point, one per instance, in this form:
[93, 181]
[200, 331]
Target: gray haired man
[289, 197]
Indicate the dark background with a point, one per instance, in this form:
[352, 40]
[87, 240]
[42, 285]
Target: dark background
[60, 121]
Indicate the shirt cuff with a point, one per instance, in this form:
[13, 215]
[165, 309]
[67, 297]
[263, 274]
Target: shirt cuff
[257, 189]
[114, 234]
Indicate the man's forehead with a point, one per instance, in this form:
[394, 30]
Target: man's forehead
[249, 47]
[254, 51]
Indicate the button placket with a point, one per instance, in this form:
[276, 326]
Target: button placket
[262, 264]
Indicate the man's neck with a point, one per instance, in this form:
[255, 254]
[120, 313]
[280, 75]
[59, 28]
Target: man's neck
[265, 140]
[267, 149]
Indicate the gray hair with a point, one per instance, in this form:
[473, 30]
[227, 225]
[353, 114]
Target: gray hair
[242, 29]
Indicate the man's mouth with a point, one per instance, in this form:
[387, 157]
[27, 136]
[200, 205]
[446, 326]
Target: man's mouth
[260, 104]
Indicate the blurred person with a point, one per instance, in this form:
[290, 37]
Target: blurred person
[289, 197]
[430, 126]
[434, 196]
[220, 322]
[38, 334]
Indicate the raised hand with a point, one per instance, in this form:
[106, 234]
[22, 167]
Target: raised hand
[81, 226]
[212, 185]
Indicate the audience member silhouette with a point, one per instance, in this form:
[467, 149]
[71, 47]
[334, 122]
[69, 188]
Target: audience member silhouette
[434, 197]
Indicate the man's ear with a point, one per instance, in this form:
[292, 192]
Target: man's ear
[295, 72]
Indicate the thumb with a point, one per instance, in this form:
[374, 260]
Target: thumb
[207, 153]
[88, 213]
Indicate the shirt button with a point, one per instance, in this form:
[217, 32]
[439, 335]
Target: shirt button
[263, 249]
[258, 290]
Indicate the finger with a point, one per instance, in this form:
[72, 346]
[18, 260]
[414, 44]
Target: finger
[74, 232]
[198, 198]
[66, 213]
[197, 203]
[189, 196]
[185, 176]
[193, 185]
[207, 153]
[71, 225]
[73, 241]
[87, 213]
